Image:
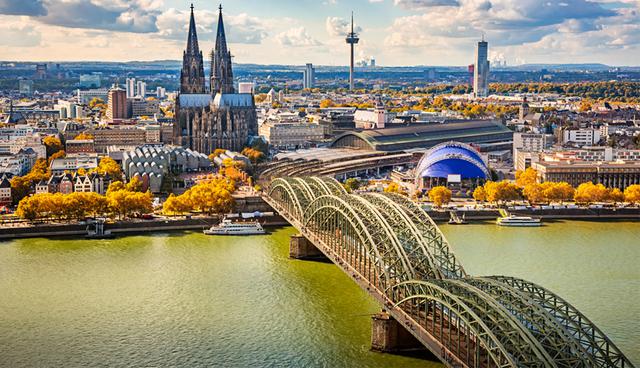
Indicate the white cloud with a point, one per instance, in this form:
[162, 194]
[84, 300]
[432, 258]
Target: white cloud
[339, 27]
[297, 37]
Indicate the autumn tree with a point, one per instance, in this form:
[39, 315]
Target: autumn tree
[83, 135]
[177, 205]
[615, 195]
[52, 145]
[632, 194]
[440, 196]
[501, 191]
[394, 188]
[527, 177]
[22, 185]
[57, 155]
[216, 153]
[253, 154]
[326, 103]
[351, 184]
[109, 166]
[534, 193]
[589, 192]
[479, 194]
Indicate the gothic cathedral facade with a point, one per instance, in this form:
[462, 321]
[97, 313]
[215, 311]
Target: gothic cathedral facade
[217, 118]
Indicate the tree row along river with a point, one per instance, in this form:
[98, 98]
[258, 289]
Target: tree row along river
[188, 300]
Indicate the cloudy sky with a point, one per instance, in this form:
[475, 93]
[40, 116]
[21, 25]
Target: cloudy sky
[395, 32]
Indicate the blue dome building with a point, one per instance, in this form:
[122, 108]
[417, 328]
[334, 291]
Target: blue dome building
[447, 159]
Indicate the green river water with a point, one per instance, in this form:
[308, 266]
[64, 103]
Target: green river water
[188, 300]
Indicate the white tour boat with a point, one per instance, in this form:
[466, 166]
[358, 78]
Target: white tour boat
[228, 227]
[513, 220]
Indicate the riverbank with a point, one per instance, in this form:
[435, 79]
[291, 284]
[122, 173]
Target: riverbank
[123, 227]
[546, 214]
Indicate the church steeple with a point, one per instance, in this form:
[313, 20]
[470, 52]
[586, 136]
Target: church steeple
[221, 69]
[192, 74]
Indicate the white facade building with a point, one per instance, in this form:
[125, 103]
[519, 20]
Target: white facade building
[131, 87]
[582, 137]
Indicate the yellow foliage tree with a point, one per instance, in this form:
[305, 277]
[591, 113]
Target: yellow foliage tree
[109, 166]
[440, 196]
[52, 145]
[394, 188]
[84, 135]
[615, 195]
[326, 103]
[589, 192]
[501, 191]
[479, 194]
[527, 177]
[632, 194]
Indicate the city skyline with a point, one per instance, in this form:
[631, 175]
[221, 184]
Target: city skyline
[395, 33]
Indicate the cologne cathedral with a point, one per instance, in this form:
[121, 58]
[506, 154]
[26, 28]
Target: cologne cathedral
[207, 119]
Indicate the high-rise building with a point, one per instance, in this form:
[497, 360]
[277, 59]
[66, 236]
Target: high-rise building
[90, 81]
[117, 107]
[141, 89]
[131, 87]
[352, 40]
[481, 70]
[161, 92]
[26, 87]
[309, 77]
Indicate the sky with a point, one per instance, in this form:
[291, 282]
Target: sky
[394, 32]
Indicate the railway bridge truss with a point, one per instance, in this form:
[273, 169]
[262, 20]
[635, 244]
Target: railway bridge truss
[394, 251]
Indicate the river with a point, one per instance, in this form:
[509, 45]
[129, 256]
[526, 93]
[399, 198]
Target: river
[188, 300]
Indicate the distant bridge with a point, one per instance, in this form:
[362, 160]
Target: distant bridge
[391, 248]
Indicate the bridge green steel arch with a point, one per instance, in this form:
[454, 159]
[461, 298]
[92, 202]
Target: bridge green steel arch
[338, 225]
[604, 351]
[437, 244]
[408, 234]
[392, 243]
[565, 350]
[480, 347]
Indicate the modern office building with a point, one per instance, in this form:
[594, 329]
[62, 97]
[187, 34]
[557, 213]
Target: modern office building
[481, 70]
[90, 81]
[161, 93]
[84, 97]
[141, 89]
[309, 77]
[131, 87]
[25, 87]
[141, 107]
[117, 105]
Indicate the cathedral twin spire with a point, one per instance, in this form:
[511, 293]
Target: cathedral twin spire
[192, 75]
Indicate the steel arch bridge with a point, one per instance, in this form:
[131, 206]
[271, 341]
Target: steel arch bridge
[394, 251]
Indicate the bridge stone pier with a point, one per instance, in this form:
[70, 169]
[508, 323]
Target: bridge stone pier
[389, 336]
[301, 248]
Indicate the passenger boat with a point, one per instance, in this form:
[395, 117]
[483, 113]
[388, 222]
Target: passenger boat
[513, 220]
[228, 227]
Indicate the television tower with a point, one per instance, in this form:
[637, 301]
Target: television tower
[352, 39]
